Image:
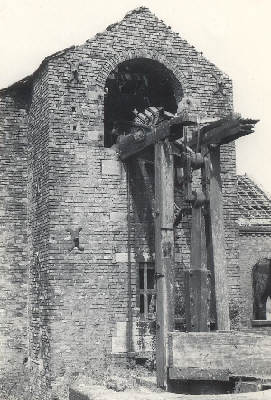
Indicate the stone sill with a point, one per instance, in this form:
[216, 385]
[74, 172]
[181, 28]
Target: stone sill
[260, 322]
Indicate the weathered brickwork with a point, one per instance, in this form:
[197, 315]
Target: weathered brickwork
[78, 152]
[38, 222]
[77, 220]
[231, 214]
[13, 244]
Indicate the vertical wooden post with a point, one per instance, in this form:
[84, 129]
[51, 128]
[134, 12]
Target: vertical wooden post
[164, 255]
[216, 248]
[196, 278]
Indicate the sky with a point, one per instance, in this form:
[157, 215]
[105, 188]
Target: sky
[233, 34]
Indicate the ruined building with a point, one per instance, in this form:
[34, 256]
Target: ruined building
[77, 233]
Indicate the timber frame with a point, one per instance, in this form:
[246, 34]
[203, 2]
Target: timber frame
[173, 150]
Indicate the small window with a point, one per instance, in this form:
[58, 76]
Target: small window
[146, 289]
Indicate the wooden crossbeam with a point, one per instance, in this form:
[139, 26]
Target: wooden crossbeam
[133, 143]
[224, 131]
[219, 132]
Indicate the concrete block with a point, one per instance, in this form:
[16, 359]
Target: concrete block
[111, 167]
[94, 136]
[123, 257]
[118, 216]
[94, 95]
[119, 344]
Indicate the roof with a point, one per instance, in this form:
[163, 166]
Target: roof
[254, 203]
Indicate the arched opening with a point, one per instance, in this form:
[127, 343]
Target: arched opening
[261, 280]
[131, 88]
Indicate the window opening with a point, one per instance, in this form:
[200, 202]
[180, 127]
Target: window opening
[131, 88]
[147, 289]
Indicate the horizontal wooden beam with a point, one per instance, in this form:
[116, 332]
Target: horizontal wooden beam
[224, 131]
[144, 137]
[216, 133]
[218, 123]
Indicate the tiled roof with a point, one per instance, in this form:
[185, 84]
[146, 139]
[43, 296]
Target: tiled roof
[254, 204]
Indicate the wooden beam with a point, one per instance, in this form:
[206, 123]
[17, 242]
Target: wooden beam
[216, 241]
[224, 131]
[218, 132]
[220, 122]
[164, 255]
[145, 136]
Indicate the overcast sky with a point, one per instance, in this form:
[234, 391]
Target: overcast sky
[233, 34]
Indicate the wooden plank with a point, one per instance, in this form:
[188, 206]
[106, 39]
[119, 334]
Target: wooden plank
[196, 300]
[199, 374]
[196, 288]
[242, 353]
[164, 255]
[216, 241]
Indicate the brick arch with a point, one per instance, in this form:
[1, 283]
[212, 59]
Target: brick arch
[258, 257]
[117, 58]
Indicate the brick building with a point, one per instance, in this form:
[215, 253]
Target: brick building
[77, 241]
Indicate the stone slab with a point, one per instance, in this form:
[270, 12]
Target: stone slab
[241, 353]
[93, 392]
[111, 167]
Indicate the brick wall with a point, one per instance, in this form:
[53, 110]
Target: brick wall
[40, 292]
[231, 214]
[88, 186]
[13, 242]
